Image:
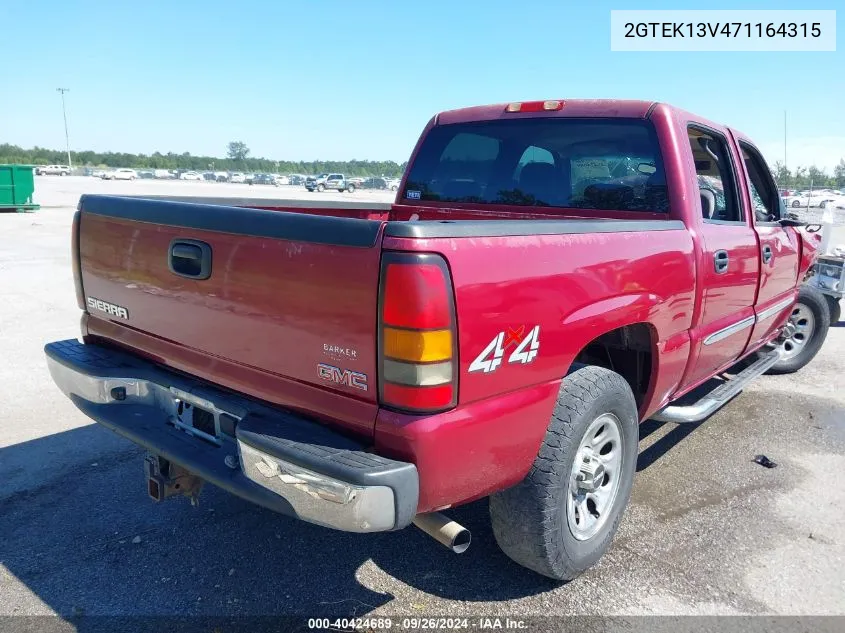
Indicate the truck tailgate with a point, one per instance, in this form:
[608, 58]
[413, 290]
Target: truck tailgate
[291, 295]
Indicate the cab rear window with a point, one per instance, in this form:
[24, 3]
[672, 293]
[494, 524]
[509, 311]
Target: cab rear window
[611, 164]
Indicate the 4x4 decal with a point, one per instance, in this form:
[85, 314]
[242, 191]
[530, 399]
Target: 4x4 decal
[527, 347]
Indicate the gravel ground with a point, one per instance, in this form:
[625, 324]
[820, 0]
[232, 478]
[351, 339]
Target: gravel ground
[707, 532]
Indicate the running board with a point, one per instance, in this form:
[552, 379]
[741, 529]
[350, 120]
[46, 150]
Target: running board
[720, 396]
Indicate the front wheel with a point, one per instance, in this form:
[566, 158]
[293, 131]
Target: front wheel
[561, 518]
[804, 332]
[796, 203]
[321, 188]
[351, 188]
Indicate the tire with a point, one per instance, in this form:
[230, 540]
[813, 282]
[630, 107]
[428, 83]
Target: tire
[534, 522]
[394, 188]
[796, 203]
[321, 188]
[822, 204]
[350, 188]
[834, 308]
[809, 323]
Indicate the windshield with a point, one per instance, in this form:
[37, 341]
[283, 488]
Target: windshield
[555, 162]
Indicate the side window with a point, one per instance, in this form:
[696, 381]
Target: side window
[765, 199]
[713, 168]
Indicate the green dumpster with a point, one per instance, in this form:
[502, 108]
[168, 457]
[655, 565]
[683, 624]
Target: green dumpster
[16, 186]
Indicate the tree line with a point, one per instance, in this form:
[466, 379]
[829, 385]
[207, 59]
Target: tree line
[186, 161]
[804, 177]
[238, 159]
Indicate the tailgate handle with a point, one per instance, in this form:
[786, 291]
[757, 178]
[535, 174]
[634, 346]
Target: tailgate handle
[189, 258]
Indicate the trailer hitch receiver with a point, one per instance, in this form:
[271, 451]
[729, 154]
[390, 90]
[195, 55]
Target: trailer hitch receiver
[166, 479]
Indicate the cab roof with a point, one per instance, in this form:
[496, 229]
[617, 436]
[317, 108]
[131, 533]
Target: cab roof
[622, 108]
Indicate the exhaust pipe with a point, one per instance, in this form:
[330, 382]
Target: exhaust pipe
[444, 530]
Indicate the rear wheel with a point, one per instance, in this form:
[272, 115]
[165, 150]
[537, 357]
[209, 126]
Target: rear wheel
[562, 517]
[834, 308]
[804, 332]
[351, 188]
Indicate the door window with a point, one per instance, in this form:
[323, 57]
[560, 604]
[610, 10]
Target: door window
[764, 194]
[714, 171]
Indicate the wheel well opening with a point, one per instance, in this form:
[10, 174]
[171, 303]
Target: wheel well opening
[627, 351]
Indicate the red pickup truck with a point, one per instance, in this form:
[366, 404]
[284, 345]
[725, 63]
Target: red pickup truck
[550, 274]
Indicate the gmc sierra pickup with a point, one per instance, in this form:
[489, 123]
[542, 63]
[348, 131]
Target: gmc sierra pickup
[550, 274]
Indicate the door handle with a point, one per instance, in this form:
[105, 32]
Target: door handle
[186, 251]
[189, 258]
[767, 254]
[721, 261]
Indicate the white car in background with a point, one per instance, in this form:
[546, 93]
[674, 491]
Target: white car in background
[121, 174]
[52, 170]
[237, 177]
[806, 200]
[392, 183]
[281, 180]
[190, 175]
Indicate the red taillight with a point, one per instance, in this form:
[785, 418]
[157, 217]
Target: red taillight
[415, 296]
[417, 334]
[76, 265]
[419, 398]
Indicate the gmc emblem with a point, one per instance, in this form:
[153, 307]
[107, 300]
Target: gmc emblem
[340, 376]
[109, 308]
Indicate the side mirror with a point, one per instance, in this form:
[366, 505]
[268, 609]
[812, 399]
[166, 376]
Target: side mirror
[792, 221]
[646, 168]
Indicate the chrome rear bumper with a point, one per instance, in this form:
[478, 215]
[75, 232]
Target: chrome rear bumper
[263, 454]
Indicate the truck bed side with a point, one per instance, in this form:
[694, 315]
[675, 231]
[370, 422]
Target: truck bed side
[575, 279]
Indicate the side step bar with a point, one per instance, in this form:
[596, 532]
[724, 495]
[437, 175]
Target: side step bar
[720, 396]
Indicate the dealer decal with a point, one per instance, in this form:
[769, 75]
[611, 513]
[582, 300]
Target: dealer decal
[526, 348]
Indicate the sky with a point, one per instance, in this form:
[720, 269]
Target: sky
[337, 80]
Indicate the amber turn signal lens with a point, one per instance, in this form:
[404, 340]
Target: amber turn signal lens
[418, 346]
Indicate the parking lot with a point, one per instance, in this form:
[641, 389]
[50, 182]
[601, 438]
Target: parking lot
[59, 191]
[708, 531]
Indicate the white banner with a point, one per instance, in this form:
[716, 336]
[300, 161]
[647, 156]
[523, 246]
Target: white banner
[746, 30]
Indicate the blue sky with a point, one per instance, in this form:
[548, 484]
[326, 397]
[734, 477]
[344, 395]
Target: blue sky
[340, 80]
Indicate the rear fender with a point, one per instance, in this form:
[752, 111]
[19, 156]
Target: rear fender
[668, 325]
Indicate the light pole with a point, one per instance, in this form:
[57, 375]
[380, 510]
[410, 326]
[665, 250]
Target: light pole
[64, 114]
[784, 138]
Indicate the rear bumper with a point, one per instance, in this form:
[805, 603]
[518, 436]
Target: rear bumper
[276, 459]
